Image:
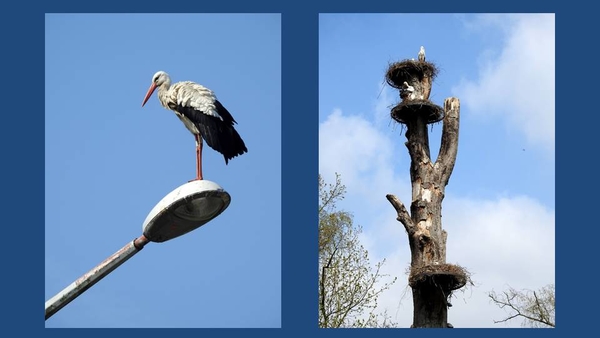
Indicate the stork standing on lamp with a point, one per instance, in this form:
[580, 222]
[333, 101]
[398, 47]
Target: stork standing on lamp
[202, 114]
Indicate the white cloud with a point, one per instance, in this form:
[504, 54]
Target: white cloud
[352, 146]
[519, 82]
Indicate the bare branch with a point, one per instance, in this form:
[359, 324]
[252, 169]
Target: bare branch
[449, 146]
[531, 308]
[403, 215]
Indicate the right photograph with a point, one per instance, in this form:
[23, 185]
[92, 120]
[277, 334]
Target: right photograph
[436, 171]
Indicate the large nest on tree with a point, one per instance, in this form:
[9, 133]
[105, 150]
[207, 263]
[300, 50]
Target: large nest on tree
[449, 277]
[407, 109]
[407, 70]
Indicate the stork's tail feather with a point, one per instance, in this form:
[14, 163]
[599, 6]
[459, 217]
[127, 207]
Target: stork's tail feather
[235, 146]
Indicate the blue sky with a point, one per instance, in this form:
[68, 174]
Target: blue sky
[499, 208]
[108, 161]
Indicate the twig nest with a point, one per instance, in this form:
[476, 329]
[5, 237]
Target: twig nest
[448, 277]
[407, 110]
[409, 70]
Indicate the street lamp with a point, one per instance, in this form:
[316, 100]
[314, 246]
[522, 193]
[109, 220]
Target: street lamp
[181, 211]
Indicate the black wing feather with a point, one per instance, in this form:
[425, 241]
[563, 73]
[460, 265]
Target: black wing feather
[218, 134]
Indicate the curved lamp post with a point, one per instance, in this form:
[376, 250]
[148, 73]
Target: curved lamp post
[181, 211]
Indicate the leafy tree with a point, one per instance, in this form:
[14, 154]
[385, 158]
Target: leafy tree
[348, 285]
[536, 308]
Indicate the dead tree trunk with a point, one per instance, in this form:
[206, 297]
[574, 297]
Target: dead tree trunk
[432, 280]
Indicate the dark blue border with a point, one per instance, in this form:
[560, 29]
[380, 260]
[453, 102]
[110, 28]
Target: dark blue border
[23, 160]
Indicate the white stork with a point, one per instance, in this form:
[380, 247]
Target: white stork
[407, 91]
[422, 54]
[202, 114]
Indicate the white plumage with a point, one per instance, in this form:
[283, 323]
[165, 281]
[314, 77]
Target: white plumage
[422, 54]
[407, 91]
[190, 94]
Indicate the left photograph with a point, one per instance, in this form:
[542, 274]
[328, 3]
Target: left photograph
[162, 171]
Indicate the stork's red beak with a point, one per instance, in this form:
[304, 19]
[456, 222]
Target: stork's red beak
[149, 93]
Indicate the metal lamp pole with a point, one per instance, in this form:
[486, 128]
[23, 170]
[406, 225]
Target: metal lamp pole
[94, 276]
[181, 211]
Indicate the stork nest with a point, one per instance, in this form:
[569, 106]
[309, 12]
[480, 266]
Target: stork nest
[449, 277]
[407, 110]
[407, 70]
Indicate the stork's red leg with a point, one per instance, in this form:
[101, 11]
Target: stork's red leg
[198, 157]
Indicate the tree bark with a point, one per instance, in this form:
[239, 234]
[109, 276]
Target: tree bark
[431, 278]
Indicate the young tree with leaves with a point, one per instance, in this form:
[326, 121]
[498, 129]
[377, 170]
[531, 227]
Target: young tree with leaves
[348, 285]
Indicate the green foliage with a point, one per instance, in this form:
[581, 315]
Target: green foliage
[348, 285]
